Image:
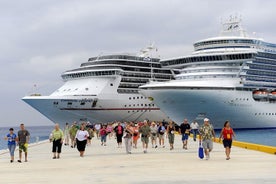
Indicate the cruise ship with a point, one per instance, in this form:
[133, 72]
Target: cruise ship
[105, 89]
[228, 77]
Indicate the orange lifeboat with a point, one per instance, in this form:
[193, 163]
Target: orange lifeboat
[260, 95]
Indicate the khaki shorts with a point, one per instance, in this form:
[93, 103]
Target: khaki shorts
[145, 139]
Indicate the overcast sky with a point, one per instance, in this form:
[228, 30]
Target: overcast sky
[40, 39]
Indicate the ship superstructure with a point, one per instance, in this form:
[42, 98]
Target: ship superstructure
[229, 77]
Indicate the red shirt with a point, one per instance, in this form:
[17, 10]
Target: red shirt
[227, 133]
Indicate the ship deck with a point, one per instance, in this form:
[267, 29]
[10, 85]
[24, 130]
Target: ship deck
[109, 164]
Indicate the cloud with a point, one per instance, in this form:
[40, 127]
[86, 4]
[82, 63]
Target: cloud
[42, 39]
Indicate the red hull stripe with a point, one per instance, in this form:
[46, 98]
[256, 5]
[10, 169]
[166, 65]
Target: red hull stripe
[110, 109]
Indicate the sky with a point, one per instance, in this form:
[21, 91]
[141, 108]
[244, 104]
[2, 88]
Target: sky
[41, 39]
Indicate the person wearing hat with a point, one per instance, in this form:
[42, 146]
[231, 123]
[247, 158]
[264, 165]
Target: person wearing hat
[206, 133]
[11, 137]
[153, 134]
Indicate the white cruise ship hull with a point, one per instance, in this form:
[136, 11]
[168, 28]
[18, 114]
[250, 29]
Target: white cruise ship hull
[95, 109]
[218, 105]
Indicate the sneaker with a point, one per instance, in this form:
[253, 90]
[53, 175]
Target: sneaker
[19, 161]
[11, 161]
[155, 146]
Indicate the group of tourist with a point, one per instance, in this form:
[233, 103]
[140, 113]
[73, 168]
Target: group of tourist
[80, 136]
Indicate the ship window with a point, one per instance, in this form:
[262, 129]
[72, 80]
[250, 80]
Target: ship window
[141, 97]
[86, 89]
[82, 103]
[129, 98]
[146, 105]
[125, 105]
[128, 111]
[133, 105]
[129, 105]
[138, 97]
[141, 104]
[69, 103]
[138, 105]
[133, 98]
[76, 89]
[111, 84]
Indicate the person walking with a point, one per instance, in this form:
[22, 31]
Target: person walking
[206, 133]
[170, 134]
[73, 131]
[23, 141]
[184, 130]
[66, 134]
[81, 139]
[57, 139]
[153, 134]
[128, 137]
[228, 134]
[11, 138]
[119, 131]
[161, 134]
[103, 134]
[145, 134]
[194, 129]
[136, 135]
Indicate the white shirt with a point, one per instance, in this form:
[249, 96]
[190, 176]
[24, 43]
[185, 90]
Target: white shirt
[194, 125]
[82, 135]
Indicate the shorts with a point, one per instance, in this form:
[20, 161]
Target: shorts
[207, 144]
[153, 137]
[145, 139]
[185, 137]
[227, 143]
[161, 136]
[23, 147]
[171, 138]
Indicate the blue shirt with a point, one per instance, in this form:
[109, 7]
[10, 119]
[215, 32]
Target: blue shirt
[11, 139]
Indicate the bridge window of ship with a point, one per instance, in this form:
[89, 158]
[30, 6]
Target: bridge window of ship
[86, 89]
[69, 103]
[82, 103]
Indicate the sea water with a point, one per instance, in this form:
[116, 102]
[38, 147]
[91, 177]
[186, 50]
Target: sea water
[41, 133]
[37, 133]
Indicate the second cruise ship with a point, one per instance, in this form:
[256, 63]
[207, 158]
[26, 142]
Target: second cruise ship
[229, 77]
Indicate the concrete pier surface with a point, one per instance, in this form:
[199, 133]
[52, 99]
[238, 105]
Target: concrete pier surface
[109, 164]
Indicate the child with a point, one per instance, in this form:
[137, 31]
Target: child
[103, 134]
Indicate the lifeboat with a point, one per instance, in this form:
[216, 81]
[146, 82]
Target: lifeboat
[260, 95]
[272, 96]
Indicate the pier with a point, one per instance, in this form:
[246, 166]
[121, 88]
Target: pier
[109, 164]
